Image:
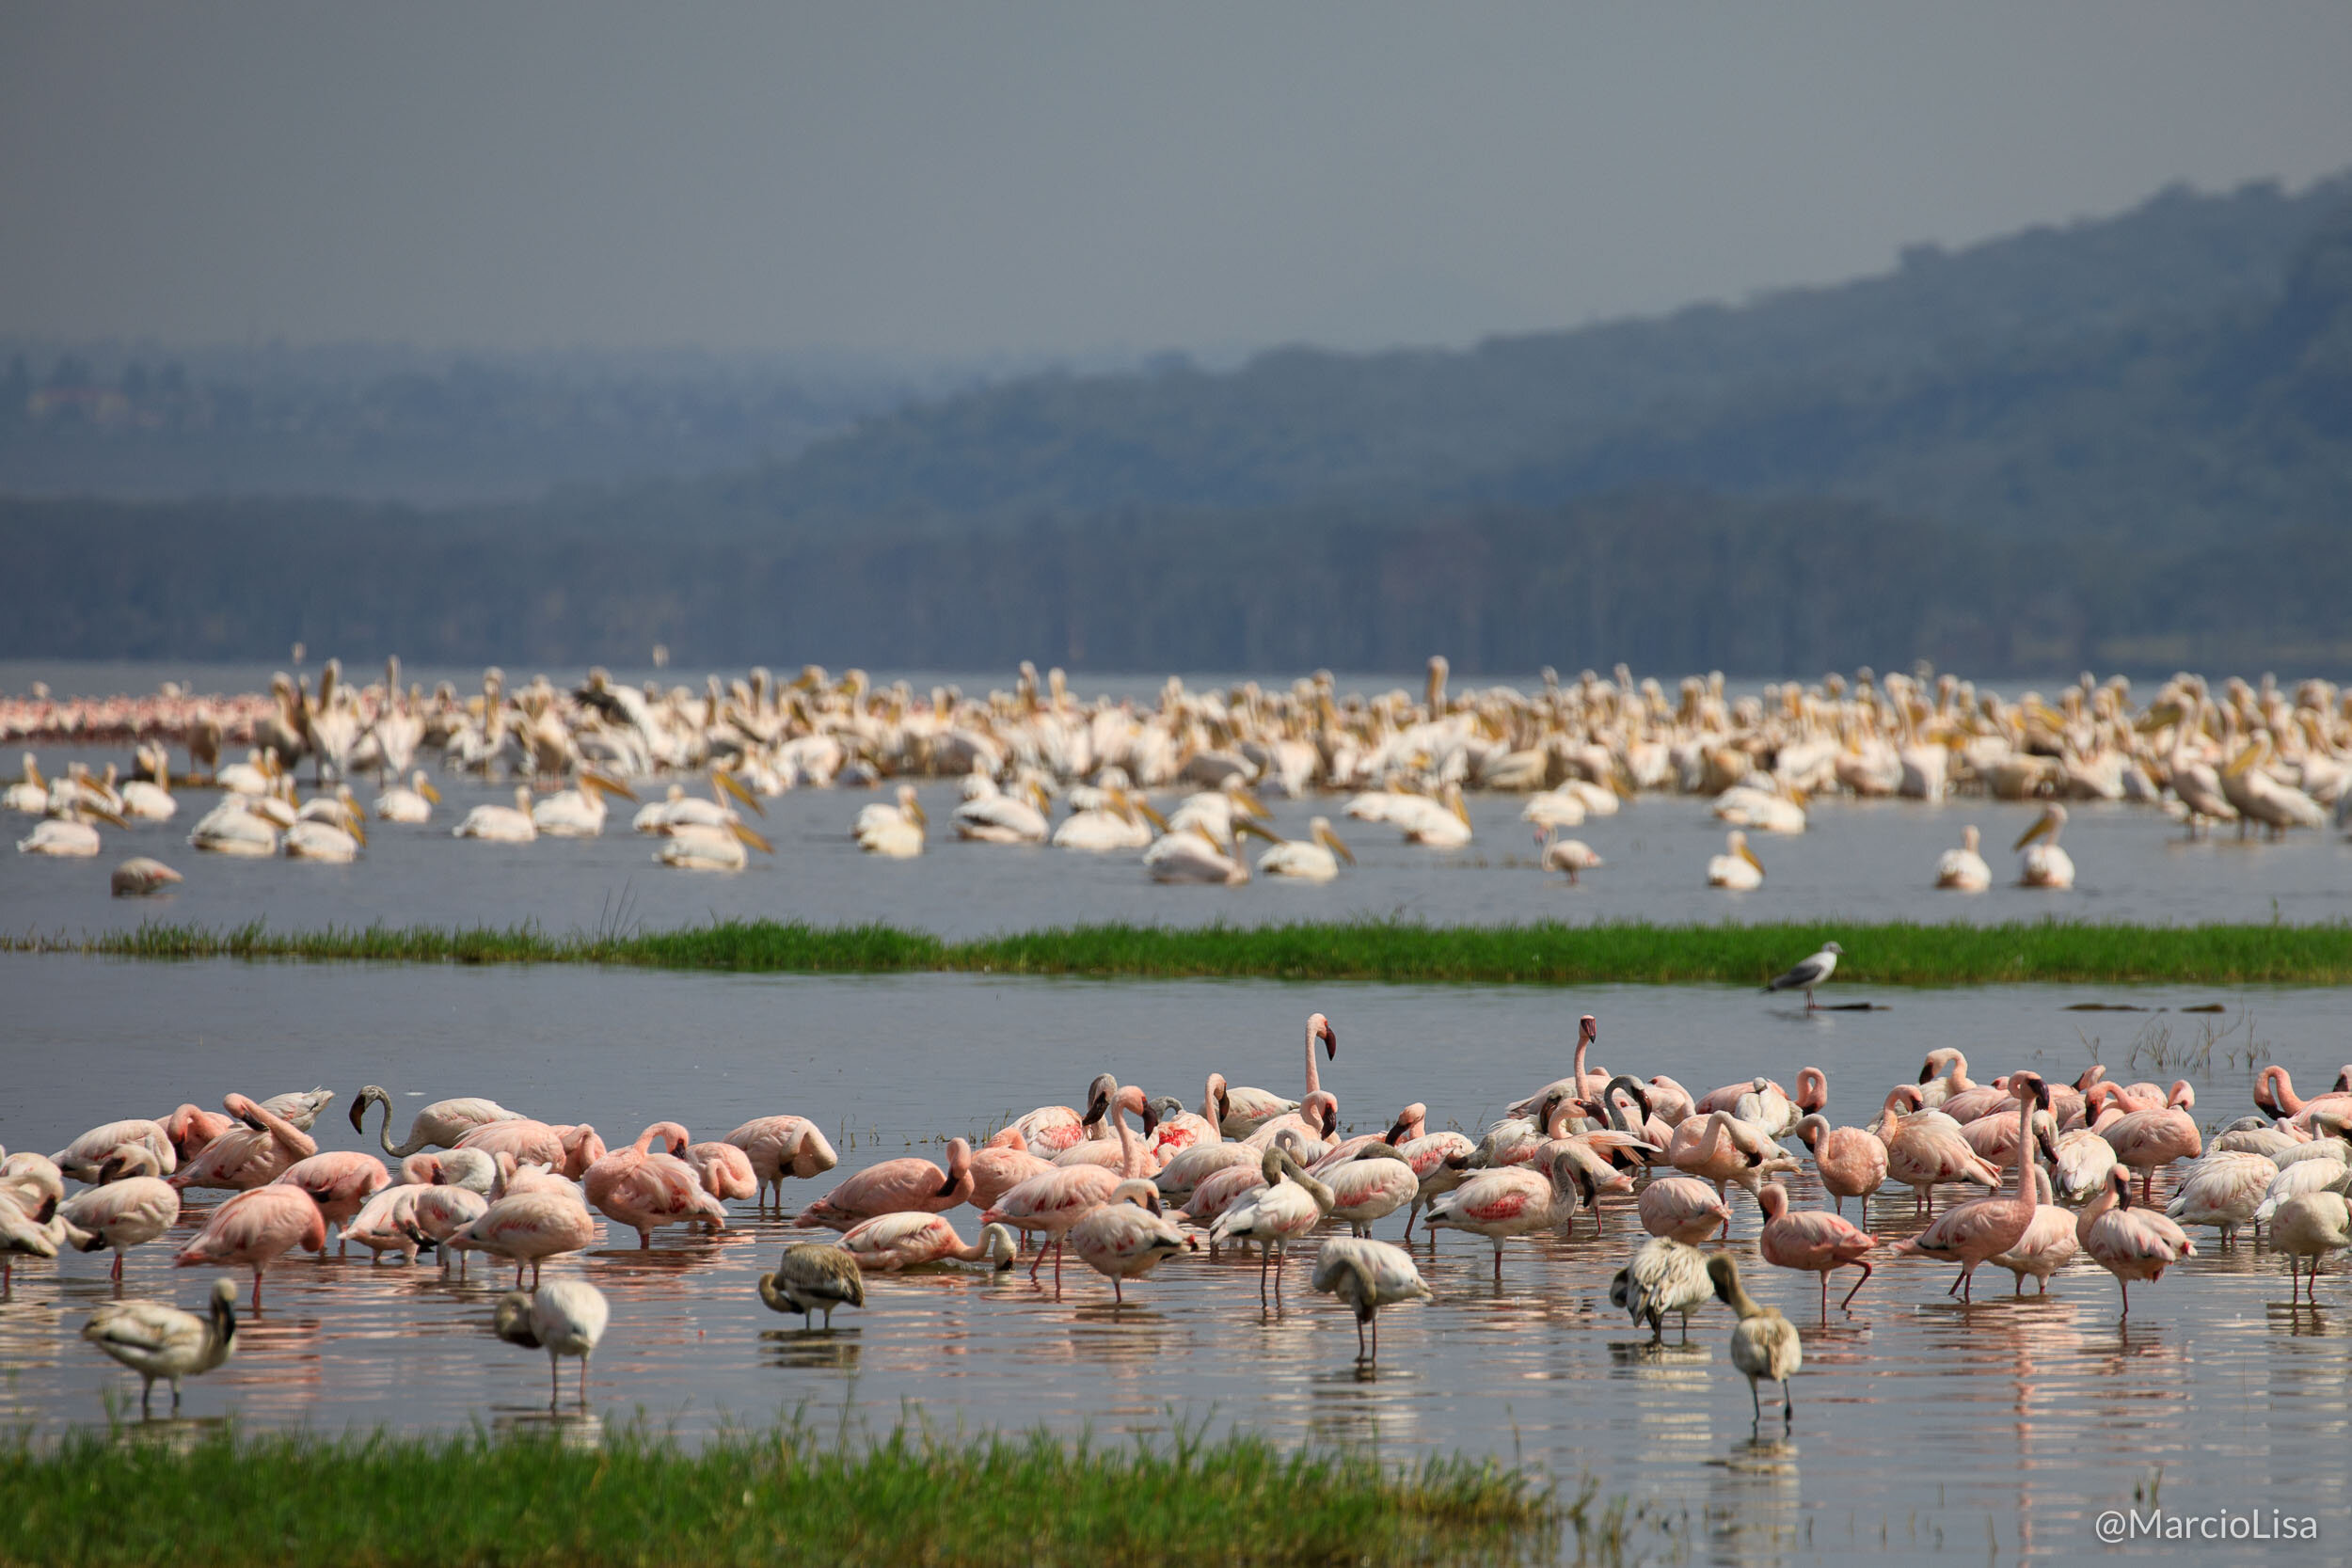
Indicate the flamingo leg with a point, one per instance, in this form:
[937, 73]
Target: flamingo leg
[1035, 1263]
[2125, 1287]
[118, 1271]
[555, 1380]
[256, 1289]
[583, 1380]
[1753, 1403]
[1787, 1404]
[1497, 1262]
[1118, 1297]
[1864, 1267]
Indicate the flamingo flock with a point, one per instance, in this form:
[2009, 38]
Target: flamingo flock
[1577, 751]
[2091, 1175]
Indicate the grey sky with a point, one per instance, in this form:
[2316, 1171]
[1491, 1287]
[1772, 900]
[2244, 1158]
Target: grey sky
[972, 177]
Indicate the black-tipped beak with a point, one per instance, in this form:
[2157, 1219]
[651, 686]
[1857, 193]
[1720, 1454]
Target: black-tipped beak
[1926, 1071]
[1395, 1134]
[2042, 1095]
[947, 1188]
[359, 1113]
[1096, 1109]
[1330, 1043]
[1224, 1106]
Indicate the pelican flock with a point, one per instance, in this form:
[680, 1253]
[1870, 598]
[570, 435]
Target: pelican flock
[2259, 757]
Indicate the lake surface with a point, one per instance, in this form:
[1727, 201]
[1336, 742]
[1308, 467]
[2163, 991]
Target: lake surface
[1860, 860]
[1922, 1428]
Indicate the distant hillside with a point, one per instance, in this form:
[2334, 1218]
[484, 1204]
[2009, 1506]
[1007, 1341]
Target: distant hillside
[1668, 581]
[2141, 374]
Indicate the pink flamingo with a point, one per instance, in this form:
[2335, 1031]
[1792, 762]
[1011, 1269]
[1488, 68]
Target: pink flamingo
[1290, 1204]
[2275, 1096]
[2147, 1139]
[1943, 1075]
[1811, 1242]
[2048, 1244]
[779, 1146]
[1221, 1189]
[1126, 1238]
[1116, 1154]
[1316, 1118]
[439, 1125]
[1721, 1149]
[2130, 1242]
[131, 1206]
[1184, 1130]
[1501, 1204]
[1052, 1202]
[1851, 1161]
[1976, 1231]
[387, 1223]
[910, 1241]
[531, 1142]
[527, 1228]
[1775, 1110]
[1927, 1150]
[1001, 1166]
[440, 1212]
[892, 1187]
[1238, 1112]
[1441, 1161]
[255, 1228]
[1370, 1186]
[1051, 1130]
[1410, 1123]
[341, 1183]
[1319, 1031]
[645, 1190]
[249, 1156]
[725, 1171]
[192, 1130]
[1669, 1102]
[1982, 1102]
[1581, 1082]
[86, 1157]
[1682, 1209]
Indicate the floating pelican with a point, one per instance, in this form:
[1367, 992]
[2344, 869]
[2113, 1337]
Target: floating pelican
[65, 833]
[578, 812]
[894, 832]
[1747, 806]
[693, 846]
[1963, 869]
[30, 794]
[501, 824]
[1440, 824]
[413, 804]
[1109, 819]
[1188, 855]
[2044, 864]
[246, 825]
[1004, 818]
[146, 801]
[1315, 858]
[1737, 868]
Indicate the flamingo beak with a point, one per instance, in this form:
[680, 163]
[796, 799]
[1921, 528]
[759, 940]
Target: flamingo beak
[1330, 1043]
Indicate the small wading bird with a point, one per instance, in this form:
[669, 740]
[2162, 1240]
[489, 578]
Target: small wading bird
[1764, 1344]
[564, 1317]
[813, 1277]
[1808, 973]
[155, 1340]
[1367, 1275]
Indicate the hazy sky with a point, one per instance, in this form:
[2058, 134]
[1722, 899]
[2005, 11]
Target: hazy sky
[972, 177]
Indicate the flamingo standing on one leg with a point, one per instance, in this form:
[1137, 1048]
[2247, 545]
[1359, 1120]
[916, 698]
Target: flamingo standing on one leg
[1127, 1237]
[1682, 1208]
[564, 1317]
[2129, 1242]
[250, 1156]
[781, 1146]
[1811, 1242]
[132, 1207]
[254, 1229]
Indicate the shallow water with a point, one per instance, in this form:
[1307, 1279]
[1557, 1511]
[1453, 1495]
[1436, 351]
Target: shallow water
[1921, 1426]
[1860, 860]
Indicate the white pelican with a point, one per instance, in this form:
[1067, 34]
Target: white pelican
[1188, 855]
[1004, 818]
[252, 776]
[1963, 869]
[894, 831]
[1554, 808]
[500, 824]
[2193, 779]
[680, 809]
[2044, 864]
[139, 876]
[145, 801]
[66, 834]
[1440, 824]
[1112, 819]
[1738, 868]
[578, 812]
[693, 846]
[31, 795]
[317, 839]
[1807, 974]
[237, 826]
[413, 804]
[2263, 798]
[1571, 855]
[1215, 812]
[1746, 806]
[1315, 858]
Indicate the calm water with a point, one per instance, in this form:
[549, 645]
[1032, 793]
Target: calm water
[1859, 862]
[1921, 1426]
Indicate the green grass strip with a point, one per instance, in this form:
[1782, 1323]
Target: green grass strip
[1548, 953]
[101, 1499]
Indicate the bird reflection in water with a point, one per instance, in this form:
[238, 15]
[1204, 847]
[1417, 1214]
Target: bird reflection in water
[811, 1348]
[577, 1428]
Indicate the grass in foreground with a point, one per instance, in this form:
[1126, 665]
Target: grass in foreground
[99, 1499]
[1892, 954]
